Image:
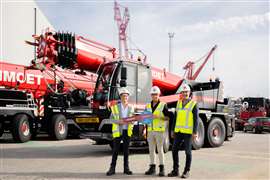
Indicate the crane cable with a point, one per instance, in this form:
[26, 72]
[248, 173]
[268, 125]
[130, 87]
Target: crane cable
[213, 62]
[136, 47]
[203, 57]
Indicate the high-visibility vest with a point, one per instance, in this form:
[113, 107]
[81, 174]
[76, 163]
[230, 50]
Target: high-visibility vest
[116, 116]
[184, 118]
[157, 123]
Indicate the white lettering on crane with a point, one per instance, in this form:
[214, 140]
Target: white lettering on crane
[39, 79]
[30, 79]
[9, 76]
[158, 75]
[12, 76]
[20, 77]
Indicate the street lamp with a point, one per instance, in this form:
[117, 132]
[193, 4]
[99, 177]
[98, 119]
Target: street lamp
[171, 35]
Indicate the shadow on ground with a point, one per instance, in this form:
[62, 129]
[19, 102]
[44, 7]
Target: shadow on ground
[54, 175]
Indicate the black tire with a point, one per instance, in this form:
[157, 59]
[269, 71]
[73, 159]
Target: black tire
[244, 129]
[216, 132]
[21, 128]
[1, 130]
[256, 130]
[58, 127]
[199, 141]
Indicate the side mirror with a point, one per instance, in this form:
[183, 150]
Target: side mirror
[123, 81]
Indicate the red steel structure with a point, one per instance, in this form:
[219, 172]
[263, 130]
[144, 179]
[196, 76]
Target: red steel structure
[70, 51]
[76, 52]
[41, 81]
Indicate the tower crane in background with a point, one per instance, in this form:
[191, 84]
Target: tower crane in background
[189, 67]
[122, 23]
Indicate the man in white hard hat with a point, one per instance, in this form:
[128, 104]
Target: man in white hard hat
[121, 131]
[156, 131]
[184, 129]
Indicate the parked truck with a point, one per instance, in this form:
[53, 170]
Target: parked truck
[252, 107]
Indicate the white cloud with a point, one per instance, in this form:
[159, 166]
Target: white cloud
[229, 25]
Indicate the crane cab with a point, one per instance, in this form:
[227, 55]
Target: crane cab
[135, 76]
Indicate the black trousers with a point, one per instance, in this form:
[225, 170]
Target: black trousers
[178, 140]
[116, 148]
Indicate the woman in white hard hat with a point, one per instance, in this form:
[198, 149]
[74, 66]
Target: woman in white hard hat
[156, 130]
[184, 128]
[121, 131]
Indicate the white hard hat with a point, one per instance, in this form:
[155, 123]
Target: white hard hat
[155, 90]
[184, 87]
[123, 91]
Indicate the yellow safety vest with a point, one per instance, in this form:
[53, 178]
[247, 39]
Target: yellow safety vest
[157, 123]
[116, 116]
[184, 118]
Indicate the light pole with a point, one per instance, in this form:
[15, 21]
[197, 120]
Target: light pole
[171, 35]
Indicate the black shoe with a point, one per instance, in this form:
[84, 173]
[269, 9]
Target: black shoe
[151, 170]
[128, 172]
[173, 173]
[111, 171]
[185, 174]
[161, 170]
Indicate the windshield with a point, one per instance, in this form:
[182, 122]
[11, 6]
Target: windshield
[103, 83]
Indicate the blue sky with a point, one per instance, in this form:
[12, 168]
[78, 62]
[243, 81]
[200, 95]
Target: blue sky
[239, 28]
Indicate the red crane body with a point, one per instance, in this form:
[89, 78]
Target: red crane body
[76, 52]
[37, 81]
[70, 51]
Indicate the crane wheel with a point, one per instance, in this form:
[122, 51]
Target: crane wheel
[58, 128]
[1, 129]
[199, 141]
[216, 132]
[21, 128]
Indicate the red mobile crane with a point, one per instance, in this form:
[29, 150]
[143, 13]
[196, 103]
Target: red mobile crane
[43, 96]
[60, 108]
[215, 124]
[75, 52]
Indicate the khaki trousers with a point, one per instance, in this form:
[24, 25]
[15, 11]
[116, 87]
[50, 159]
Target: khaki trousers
[156, 139]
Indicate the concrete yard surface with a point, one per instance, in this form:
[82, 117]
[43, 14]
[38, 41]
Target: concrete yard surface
[245, 156]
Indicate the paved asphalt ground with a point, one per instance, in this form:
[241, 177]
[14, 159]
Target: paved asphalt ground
[246, 156]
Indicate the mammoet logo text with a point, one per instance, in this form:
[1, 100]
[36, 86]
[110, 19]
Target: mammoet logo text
[11, 76]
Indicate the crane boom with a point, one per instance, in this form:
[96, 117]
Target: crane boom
[203, 64]
[122, 26]
[190, 65]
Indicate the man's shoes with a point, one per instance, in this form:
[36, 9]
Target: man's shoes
[111, 171]
[161, 170]
[173, 173]
[128, 172]
[185, 174]
[151, 170]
